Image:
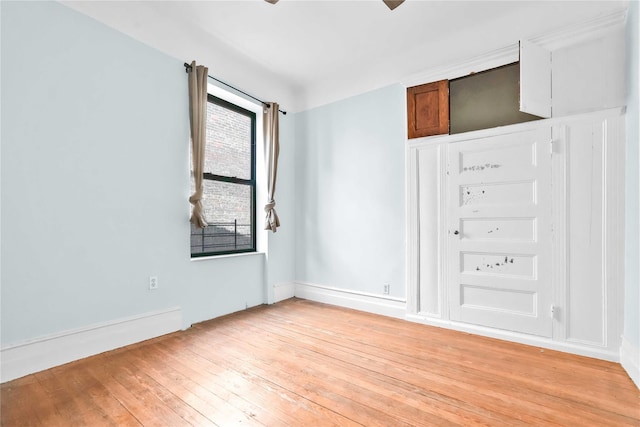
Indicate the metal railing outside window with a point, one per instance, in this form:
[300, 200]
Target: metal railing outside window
[221, 237]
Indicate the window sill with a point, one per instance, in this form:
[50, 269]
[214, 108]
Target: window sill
[214, 257]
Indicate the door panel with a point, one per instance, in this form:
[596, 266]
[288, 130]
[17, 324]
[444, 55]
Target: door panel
[522, 266]
[514, 229]
[520, 302]
[500, 232]
[497, 194]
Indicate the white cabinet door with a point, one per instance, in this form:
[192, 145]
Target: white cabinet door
[535, 80]
[500, 231]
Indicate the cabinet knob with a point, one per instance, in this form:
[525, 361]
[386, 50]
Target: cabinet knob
[456, 232]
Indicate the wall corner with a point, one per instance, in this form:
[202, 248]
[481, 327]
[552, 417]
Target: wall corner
[630, 360]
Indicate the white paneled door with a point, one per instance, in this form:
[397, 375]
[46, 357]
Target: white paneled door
[500, 232]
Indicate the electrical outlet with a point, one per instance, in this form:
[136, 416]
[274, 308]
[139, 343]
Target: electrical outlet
[153, 282]
[386, 289]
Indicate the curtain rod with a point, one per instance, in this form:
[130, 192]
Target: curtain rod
[188, 67]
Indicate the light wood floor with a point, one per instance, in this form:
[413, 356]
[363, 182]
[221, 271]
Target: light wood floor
[301, 363]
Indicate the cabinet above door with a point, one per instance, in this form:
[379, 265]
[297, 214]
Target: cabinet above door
[428, 109]
[513, 93]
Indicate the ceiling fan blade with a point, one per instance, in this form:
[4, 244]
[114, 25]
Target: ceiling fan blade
[391, 4]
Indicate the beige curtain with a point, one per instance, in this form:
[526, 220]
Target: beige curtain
[271, 152]
[198, 119]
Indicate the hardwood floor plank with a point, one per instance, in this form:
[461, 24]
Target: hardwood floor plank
[287, 373]
[288, 407]
[518, 382]
[26, 403]
[397, 329]
[303, 363]
[81, 398]
[146, 406]
[204, 399]
[124, 369]
[550, 374]
[404, 399]
[230, 408]
[543, 363]
[388, 372]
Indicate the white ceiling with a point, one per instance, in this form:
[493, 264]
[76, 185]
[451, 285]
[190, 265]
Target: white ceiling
[308, 53]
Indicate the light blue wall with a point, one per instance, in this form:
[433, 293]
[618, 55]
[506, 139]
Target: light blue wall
[632, 232]
[95, 181]
[350, 193]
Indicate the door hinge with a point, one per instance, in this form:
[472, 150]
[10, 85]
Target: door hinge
[551, 146]
[552, 312]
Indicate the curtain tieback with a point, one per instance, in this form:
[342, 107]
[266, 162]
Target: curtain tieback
[269, 206]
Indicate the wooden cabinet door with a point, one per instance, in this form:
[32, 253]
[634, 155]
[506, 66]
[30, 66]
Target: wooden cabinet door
[428, 109]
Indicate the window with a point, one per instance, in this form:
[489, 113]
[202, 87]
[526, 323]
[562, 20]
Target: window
[229, 184]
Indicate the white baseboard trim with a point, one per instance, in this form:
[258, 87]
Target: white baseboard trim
[372, 303]
[283, 291]
[630, 360]
[46, 352]
[548, 343]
